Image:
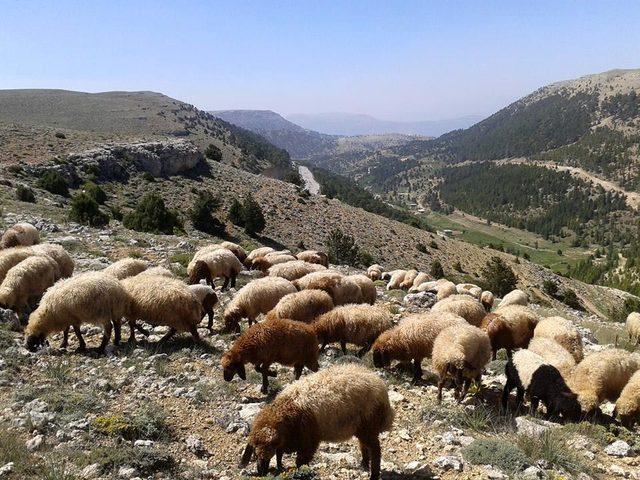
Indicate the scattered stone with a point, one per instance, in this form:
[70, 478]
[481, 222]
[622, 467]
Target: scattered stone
[10, 317]
[6, 469]
[195, 445]
[34, 443]
[531, 428]
[395, 397]
[249, 411]
[90, 471]
[532, 473]
[619, 448]
[127, 472]
[144, 443]
[449, 462]
[420, 299]
[617, 470]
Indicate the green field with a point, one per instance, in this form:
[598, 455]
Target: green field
[541, 251]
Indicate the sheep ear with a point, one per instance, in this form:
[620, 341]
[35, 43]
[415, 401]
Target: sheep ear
[246, 455]
[242, 373]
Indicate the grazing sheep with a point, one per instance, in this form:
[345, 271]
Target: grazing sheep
[397, 277]
[314, 256]
[20, 235]
[161, 301]
[258, 296]
[127, 267]
[356, 324]
[27, 281]
[553, 353]
[343, 290]
[237, 250]
[332, 405]
[302, 306]
[255, 254]
[412, 339]
[207, 298]
[419, 280]
[530, 373]
[407, 280]
[220, 263]
[445, 289]
[91, 297]
[602, 376]
[374, 272]
[562, 331]
[158, 272]
[309, 280]
[633, 327]
[469, 289]
[515, 297]
[59, 255]
[487, 299]
[294, 270]
[368, 289]
[426, 286]
[460, 352]
[510, 328]
[265, 263]
[628, 403]
[281, 341]
[11, 257]
[464, 306]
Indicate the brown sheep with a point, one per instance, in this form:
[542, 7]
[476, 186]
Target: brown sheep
[510, 328]
[314, 256]
[302, 306]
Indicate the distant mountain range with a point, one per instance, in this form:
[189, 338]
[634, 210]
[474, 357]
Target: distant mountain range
[357, 124]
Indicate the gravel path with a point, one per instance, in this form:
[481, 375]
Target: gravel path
[309, 181]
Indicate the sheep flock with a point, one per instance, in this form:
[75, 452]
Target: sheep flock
[296, 304]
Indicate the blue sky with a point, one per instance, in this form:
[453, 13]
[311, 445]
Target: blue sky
[401, 60]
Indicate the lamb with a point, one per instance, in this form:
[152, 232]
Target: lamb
[265, 263]
[207, 298]
[487, 299]
[214, 264]
[258, 296]
[412, 339]
[633, 327]
[368, 289]
[562, 331]
[59, 255]
[469, 289]
[356, 324]
[332, 405]
[161, 301]
[602, 376]
[294, 269]
[426, 286]
[463, 305]
[553, 353]
[407, 280]
[529, 372]
[91, 297]
[302, 306]
[27, 281]
[20, 235]
[158, 271]
[281, 341]
[314, 256]
[510, 327]
[515, 297]
[127, 267]
[374, 272]
[397, 277]
[460, 352]
[628, 403]
[255, 254]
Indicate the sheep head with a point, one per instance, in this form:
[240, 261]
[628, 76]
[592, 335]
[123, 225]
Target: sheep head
[263, 444]
[232, 320]
[35, 341]
[380, 358]
[200, 270]
[232, 366]
[261, 264]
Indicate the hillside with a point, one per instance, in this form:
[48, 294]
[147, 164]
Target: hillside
[36, 125]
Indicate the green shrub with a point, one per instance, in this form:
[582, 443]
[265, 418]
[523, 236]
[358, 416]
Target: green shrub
[433, 244]
[293, 176]
[95, 192]
[25, 194]
[213, 153]
[254, 221]
[201, 214]
[116, 213]
[570, 299]
[85, 210]
[343, 249]
[421, 247]
[60, 135]
[146, 460]
[550, 287]
[54, 182]
[552, 447]
[436, 270]
[148, 177]
[458, 267]
[498, 277]
[499, 453]
[236, 215]
[151, 215]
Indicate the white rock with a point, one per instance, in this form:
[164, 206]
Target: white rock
[619, 448]
[532, 473]
[6, 469]
[34, 443]
[533, 428]
[195, 444]
[395, 397]
[249, 411]
[127, 472]
[617, 470]
[90, 471]
[144, 443]
[449, 462]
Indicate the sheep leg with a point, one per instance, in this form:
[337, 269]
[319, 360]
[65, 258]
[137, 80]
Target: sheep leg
[440, 387]
[374, 448]
[495, 355]
[193, 330]
[324, 345]
[106, 336]
[279, 454]
[417, 370]
[172, 331]
[305, 454]
[465, 389]
[210, 324]
[132, 331]
[505, 395]
[366, 455]
[117, 332]
[519, 396]
[533, 407]
[233, 281]
[298, 370]
[226, 283]
[65, 338]
[265, 378]
[142, 330]
[343, 346]
[83, 346]
[364, 350]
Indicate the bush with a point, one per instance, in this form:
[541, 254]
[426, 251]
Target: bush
[570, 299]
[60, 135]
[433, 244]
[147, 177]
[201, 214]
[85, 210]
[436, 270]
[458, 267]
[342, 248]
[254, 221]
[213, 153]
[151, 215]
[54, 182]
[551, 447]
[95, 192]
[498, 453]
[550, 287]
[421, 247]
[498, 277]
[293, 176]
[236, 215]
[25, 194]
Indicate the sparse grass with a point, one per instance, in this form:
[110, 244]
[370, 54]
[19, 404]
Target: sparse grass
[552, 447]
[12, 449]
[478, 419]
[146, 423]
[7, 337]
[71, 404]
[502, 454]
[181, 258]
[302, 473]
[58, 370]
[603, 435]
[146, 460]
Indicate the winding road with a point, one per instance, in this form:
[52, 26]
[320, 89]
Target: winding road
[310, 182]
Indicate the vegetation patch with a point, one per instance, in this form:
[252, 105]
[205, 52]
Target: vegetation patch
[499, 453]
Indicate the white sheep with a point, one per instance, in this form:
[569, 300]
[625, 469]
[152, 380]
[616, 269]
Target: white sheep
[553, 353]
[633, 327]
[294, 269]
[462, 305]
[562, 331]
[20, 235]
[628, 403]
[25, 283]
[126, 267]
[304, 306]
[515, 297]
[220, 263]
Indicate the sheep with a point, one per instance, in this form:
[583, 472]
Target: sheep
[602, 376]
[281, 341]
[445, 289]
[20, 235]
[374, 272]
[27, 281]
[397, 277]
[213, 264]
[628, 403]
[510, 327]
[332, 405]
[463, 305]
[59, 255]
[553, 353]
[412, 339]
[127, 267]
[633, 326]
[265, 263]
[426, 286]
[258, 296]
[91, 297]
[158, 271]
[514, 297]
[407, 280]
[160, 300]
[207, 298]
[302, 306]
[469, 289]
[531, 373]
[237, 250]
[314, 256]
[357, 324]
[294, 269]
[562, 331]
[255, 254]
[309, 280]
[460, 352]
[368, 289]
[11, 257]
[487, 299]
[419, 280]
[343, 290]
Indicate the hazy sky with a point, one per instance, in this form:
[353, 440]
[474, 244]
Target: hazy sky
[401, 60]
